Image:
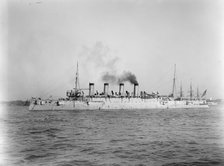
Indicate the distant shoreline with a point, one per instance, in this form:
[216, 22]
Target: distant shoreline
[16, 102]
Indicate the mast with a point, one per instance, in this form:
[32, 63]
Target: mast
[181, 91]
[174, 79]
[77, 78]
[198, 93]
[191, 92]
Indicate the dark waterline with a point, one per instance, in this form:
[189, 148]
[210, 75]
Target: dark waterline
[122, 137]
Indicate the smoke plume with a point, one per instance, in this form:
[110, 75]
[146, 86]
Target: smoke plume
[97, 59]
[99, 56]
[101, 59]
[112, 78]
[126, 76]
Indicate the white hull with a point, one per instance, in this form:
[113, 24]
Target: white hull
[116, 103]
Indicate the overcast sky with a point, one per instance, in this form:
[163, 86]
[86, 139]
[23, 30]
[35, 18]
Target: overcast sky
[44, 39]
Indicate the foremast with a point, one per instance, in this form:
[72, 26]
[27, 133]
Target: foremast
[77, 87]
[76, 92]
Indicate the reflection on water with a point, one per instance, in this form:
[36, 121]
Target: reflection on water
[122, 137]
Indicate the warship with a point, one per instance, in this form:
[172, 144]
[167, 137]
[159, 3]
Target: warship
[122, 100]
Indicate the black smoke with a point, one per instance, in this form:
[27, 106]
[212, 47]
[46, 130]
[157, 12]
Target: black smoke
[126, 76]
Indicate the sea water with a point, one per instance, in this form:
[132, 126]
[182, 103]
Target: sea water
[119, 137]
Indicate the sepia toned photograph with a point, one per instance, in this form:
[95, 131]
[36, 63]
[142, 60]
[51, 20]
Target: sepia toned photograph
[112, 83]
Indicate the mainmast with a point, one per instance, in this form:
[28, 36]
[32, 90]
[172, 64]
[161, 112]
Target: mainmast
[77, 78]
[174, 79]
[191, 92]
[181, 91]
[198, 96]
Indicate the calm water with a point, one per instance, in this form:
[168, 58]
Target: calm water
[134, 137]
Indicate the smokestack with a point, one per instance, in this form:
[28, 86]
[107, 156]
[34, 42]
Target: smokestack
[121, 89]
[91, 89]
[135, 90]
[106, 89]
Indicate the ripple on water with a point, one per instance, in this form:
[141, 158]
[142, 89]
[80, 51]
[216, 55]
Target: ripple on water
[131, 137]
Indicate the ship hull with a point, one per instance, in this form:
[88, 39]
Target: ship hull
[115, 104]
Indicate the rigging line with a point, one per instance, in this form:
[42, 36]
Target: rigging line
[57, 78]
[53, 88]
[52, 83]
[49, 92]
[161, 78]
